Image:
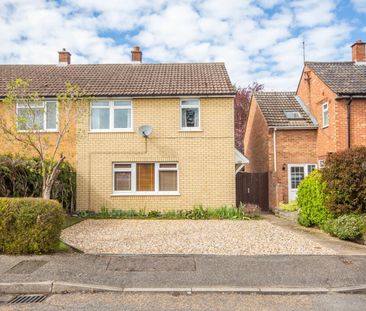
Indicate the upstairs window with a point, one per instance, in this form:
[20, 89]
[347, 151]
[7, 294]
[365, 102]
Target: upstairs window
[190, 114]
[325, 114]
[293, 114]
[37, 117]
[113, 115]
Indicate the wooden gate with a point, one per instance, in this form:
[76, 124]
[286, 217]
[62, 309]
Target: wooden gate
[252, 188]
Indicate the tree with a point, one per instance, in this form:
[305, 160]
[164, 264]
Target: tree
[241, 108]
[26, 124]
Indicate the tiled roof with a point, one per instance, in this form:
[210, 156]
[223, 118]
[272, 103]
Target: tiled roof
[342, 77]
[123, 79]
[274, 104]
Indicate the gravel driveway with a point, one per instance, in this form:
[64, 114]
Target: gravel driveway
[216, 237]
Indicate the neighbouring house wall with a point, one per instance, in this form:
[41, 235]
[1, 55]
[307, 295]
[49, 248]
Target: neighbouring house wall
[358, 123]
[314, 92]
[256, 140]
[293, 147]
[206, 159]
[67, 147]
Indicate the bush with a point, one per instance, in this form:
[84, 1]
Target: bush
[345, 176]
[311, 201]
[20, 177]
[346, 227]
[29, 225]
[289, 207]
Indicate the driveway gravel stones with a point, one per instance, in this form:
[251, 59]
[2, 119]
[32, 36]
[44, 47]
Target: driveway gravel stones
[212, 237]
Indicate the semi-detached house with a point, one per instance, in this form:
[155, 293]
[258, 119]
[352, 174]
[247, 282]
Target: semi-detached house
[289, 134]
[187, 159]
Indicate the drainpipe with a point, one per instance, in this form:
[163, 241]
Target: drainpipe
[274, 150]
[349, 121]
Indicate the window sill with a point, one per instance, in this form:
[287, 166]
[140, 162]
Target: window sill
[40, 131]
[111, 131]
[190, 130]
[326, 126]
[137, 194]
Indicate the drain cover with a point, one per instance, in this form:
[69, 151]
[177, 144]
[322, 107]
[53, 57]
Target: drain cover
[152, 263]
[27, 266]
[27, 299]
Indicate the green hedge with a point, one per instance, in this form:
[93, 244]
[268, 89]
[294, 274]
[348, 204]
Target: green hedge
[30, 225]
[345, 177]
[311, 201]
[20, 177]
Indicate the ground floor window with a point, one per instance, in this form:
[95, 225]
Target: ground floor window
[297, 172]
[145, 178]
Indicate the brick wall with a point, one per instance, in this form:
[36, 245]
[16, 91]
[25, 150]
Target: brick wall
[314, 93]
[68, 145]
[293, 147]
[206, 159]
[256, 140]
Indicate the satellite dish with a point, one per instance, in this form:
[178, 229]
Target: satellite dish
[145, 130]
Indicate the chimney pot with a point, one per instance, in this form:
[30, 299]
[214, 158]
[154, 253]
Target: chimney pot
[136, 54]
[358, 51]
[64, 57]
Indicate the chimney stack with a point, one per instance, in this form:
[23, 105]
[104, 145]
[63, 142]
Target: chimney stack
[358, 51]
[64, 57]
[136, 55]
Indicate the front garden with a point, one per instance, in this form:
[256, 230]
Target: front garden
[334, 198]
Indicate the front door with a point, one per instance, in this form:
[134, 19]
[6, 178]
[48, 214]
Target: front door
[296, 173]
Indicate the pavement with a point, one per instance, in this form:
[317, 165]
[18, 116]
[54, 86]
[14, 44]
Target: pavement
[199, 302]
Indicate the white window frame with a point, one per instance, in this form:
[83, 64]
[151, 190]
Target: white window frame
[111, 108]
[42, 105]
[306, 173]
[133, 171]
[196, 105]
[325, 109]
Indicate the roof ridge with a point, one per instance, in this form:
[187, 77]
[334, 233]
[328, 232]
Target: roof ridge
[117, 64]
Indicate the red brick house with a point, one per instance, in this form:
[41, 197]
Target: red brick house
[290, 134]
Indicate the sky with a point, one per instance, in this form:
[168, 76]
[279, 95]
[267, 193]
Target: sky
[259, 41]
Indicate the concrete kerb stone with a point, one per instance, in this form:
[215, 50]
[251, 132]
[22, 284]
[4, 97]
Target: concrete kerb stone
[50, 287]
[26, 288]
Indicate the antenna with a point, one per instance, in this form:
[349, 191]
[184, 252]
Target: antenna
[303, 51]
[145, 130]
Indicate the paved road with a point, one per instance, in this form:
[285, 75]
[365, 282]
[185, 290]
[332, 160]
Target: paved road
[199, 302]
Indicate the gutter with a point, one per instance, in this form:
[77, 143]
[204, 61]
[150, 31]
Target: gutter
[312, 127]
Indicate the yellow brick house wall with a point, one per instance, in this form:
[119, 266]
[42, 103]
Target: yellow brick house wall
[205, 159]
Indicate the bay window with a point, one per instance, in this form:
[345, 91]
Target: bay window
[37, 117]
[145, 178]
[111, 115]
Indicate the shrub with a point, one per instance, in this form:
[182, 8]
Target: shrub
[346, 227]
[345, 176]
[311, 201]
[20, 177]
[290, 207]
[29, 225]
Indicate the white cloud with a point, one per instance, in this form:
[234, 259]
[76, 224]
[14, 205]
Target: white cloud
[360, 5]
[258, 40]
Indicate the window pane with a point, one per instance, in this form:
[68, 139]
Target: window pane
[297, 175]
[190, 102]
[122, 181]
[168, 181]
[30, 118]
[51, 117]
[145, 174]
[100, 104]
[311, 168]
[190, 117]
[122, 165]
[100, 119]
[122, 104]
[122, 118]
[168, 165]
